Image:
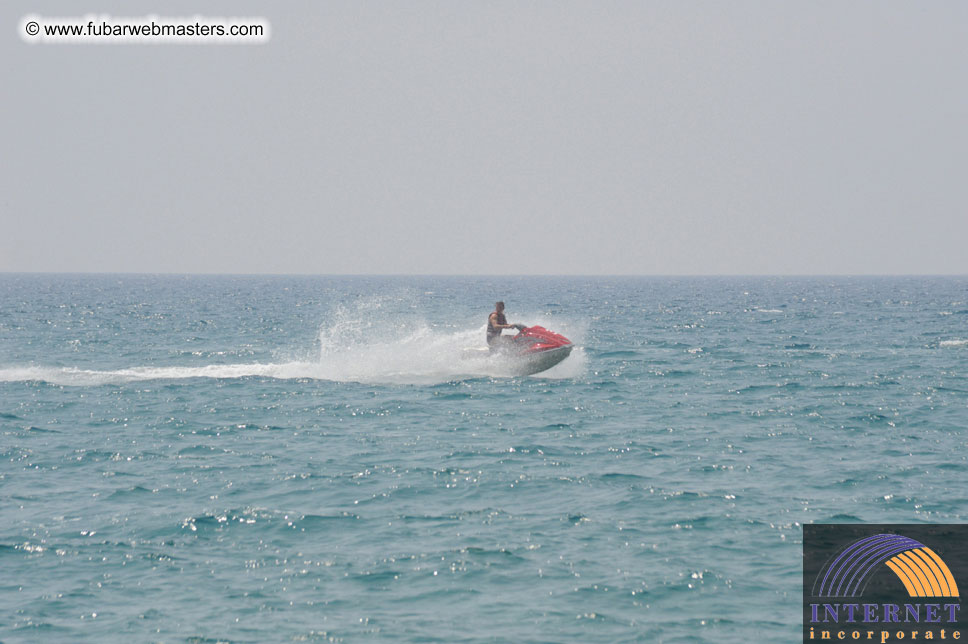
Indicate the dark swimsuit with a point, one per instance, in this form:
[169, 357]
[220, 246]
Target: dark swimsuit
[492, 332]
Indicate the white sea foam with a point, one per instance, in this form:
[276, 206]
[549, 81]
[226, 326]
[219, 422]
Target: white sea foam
[954, 343]
[88, 377]
[358, 346]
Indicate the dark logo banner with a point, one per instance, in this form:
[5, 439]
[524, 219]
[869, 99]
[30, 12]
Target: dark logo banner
[884, 583]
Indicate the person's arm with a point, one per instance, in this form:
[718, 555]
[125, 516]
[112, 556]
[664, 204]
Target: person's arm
[493, 318]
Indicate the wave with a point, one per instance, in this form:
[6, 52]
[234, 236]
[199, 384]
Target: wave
[356, 346]
[88, 377]
[954, 343]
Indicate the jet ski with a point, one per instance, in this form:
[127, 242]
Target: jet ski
[533, 350]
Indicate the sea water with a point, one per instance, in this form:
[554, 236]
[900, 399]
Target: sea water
[273, 459]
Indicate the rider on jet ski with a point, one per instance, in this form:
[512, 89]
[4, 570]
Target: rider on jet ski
[496, 322]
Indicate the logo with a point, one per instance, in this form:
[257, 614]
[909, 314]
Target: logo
[883, 583]
[922, 572]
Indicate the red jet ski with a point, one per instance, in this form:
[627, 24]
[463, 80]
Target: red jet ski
[534, 349]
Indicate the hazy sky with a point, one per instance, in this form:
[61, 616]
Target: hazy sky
[495, 137]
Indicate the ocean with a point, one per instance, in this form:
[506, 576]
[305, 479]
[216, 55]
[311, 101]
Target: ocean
[278, 459]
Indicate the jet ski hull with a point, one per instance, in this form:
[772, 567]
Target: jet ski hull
[528, 364]
[536, 349]
[533, 350]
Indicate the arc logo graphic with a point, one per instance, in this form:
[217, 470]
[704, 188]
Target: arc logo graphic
[883, 583]
[919, 568]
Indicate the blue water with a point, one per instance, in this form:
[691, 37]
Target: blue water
[256, 459]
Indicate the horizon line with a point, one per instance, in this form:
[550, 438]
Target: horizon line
[478, 275]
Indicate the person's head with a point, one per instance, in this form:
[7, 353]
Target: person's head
[499, 307]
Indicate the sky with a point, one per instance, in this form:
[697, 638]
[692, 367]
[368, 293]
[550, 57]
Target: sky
[494, 137]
